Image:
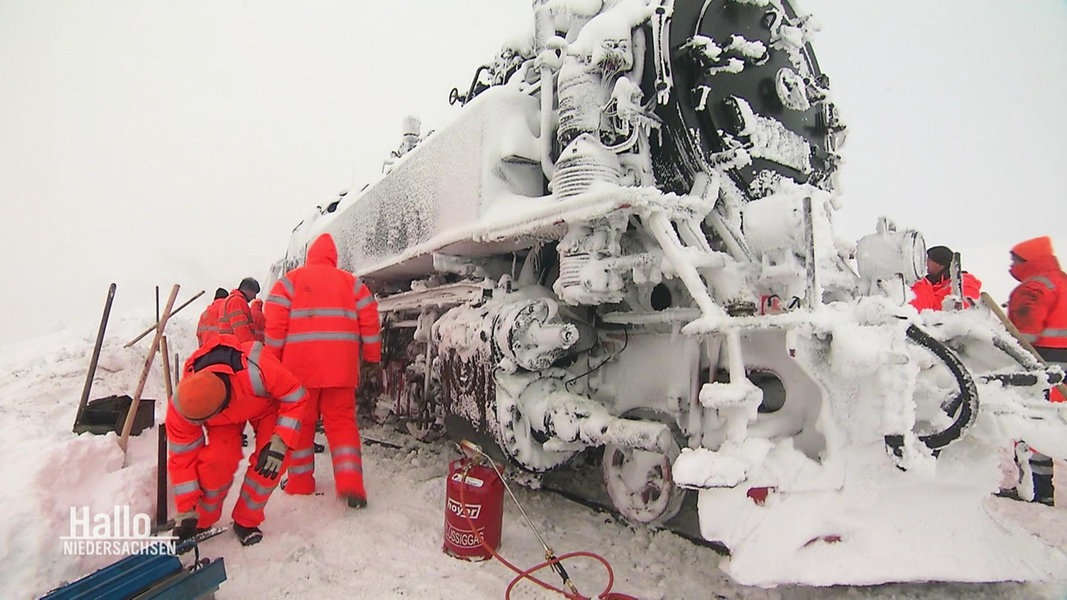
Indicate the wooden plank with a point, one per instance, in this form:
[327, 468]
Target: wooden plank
[160, 326]
[1015, 333]
[156, 326]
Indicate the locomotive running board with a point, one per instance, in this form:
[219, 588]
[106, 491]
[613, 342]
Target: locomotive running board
[441, 296]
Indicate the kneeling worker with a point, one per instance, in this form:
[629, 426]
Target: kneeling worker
[225, 386]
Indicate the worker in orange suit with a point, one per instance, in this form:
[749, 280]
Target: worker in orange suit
[322, 321]
[208, 325]
[931, 291]
[259, 321]
[1038, 305]
[225, 387]
[1038, 309]
[235, 318]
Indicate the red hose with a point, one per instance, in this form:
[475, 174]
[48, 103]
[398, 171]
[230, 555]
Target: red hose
[607, 594]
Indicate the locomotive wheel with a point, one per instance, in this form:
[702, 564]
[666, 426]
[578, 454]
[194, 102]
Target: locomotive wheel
[639, 482]
[422, 422]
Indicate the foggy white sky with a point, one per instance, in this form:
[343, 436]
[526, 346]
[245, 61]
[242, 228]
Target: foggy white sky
[149, 143]
[957, 124]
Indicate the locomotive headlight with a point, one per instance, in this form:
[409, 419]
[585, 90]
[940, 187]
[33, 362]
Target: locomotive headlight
[889, 253]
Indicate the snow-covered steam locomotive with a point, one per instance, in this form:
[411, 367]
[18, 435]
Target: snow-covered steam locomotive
[620, 256]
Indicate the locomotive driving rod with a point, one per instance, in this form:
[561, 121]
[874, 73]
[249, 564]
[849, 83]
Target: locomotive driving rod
[573, 418]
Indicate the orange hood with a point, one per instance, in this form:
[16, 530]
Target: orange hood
[323, 251]
[1038, 247]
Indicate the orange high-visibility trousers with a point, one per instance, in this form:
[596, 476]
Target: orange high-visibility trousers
[338, 409]
[215, 470]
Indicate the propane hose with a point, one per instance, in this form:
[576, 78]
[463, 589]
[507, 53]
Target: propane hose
[552, 561]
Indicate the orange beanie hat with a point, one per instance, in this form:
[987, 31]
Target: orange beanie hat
[1035, 248]
[200, 395]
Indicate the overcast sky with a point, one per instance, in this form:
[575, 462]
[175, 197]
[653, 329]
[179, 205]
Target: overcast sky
[957, 124]
[149, 143]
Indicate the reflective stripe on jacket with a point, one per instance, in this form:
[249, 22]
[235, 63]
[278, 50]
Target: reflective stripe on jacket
[1038, 305]
[322, 320]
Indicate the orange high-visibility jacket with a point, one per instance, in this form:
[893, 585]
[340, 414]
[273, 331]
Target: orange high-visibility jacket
[258, 385]
[209, 322]
[235, 317]
[321, 320]
[930, 295]
[1038, 305]
[259, 320]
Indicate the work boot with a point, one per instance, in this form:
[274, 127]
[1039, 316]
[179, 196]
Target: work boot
[1041, 468]
[247, 535]
[356, 501]
[185, 529]
[1010, 494]
[1043, 490]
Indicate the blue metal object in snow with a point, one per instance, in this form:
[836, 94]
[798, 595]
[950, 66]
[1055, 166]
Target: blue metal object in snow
[157, 575]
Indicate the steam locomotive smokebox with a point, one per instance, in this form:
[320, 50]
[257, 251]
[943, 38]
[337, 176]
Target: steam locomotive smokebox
[473, 491]
[105, 415]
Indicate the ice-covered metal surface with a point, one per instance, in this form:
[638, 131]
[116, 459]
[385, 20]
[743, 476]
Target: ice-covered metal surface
[449, 182]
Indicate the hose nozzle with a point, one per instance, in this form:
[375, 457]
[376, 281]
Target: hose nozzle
[470, 449]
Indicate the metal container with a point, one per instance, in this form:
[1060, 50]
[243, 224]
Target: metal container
[474, 495]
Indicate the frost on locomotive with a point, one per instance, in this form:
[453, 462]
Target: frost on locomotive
[620, 257]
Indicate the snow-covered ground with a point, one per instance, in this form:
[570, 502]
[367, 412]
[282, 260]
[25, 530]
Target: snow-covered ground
[316, 547]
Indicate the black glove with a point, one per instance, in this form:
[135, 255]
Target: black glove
[186, 527]
[271, 456]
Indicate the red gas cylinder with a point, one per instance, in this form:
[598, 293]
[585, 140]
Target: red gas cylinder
[476, 491]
